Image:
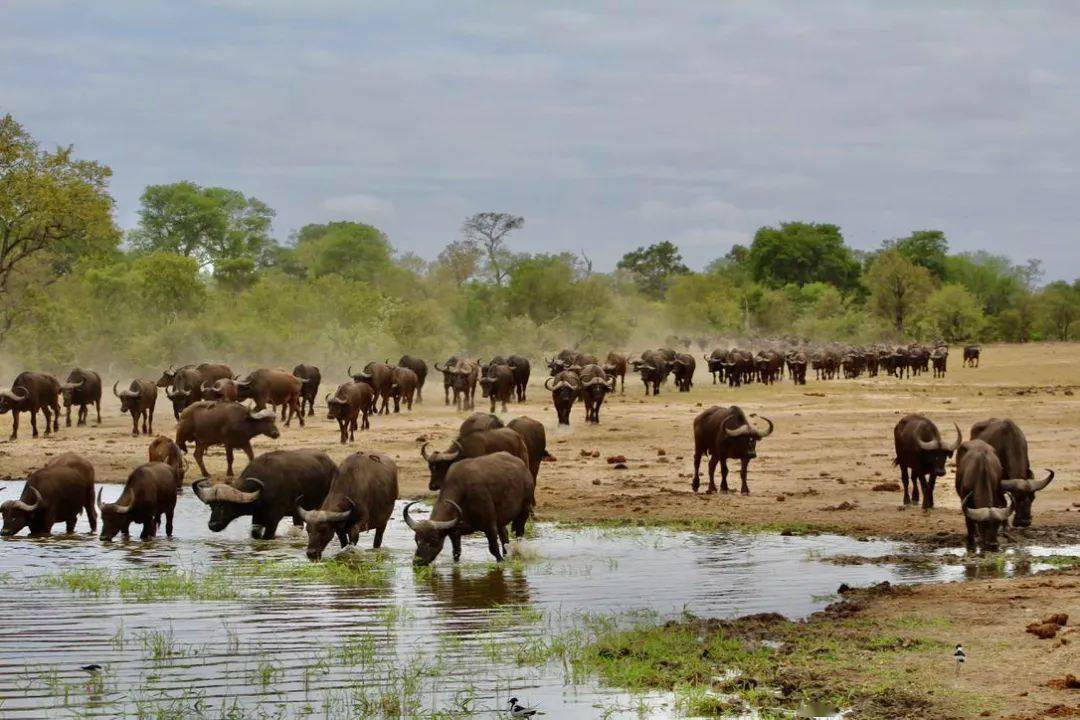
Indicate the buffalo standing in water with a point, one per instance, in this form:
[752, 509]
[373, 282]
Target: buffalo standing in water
[1010, 445]
[55, 493]
[361, 497]
[483, 494]
[149, 493]
[725, 434]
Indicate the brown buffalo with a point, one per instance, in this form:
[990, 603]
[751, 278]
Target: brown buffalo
[615, 366]
[223, 423]
[462, 377]
[361, 498]
[223, 389]
[350, 401]
[565, 389]
[971, 355]
[380, 376]
[447, 371]
[267, 386]
[478, 422]
[921, 452]
[403, 383]
[522, 369]
[595, 385]
[55, 493]
[82, 388]
[535, 438]
[482, 494]
[1018, 480]
[498, 385]
[149, 493]
[978, 484]
[419, 367]
[139, 400]
[164, 450]
[683, 367]
[476, 444]
[30, 393]
[183, 386]
[725, 433]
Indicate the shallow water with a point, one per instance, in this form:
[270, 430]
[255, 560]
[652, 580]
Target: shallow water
[442, 639]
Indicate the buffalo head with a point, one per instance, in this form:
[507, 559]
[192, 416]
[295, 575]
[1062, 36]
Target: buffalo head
[114, 517]
[1023, 495]
[322, 525]
[430, 534]
[227, 502]
[749, 436]
[938, 451]
[18, 514]
[129, 399]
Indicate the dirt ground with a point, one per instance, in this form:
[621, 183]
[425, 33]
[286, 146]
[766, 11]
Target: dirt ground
[832, 445]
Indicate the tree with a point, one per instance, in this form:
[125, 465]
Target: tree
[213, 225]
[543, 286]
[460, 261]
[654, 267]
[927, 248]
[1060, 306]
[54, 210]
[802, 253]
[350, 249]
[953, 314]
[489, 230]
[897, 287]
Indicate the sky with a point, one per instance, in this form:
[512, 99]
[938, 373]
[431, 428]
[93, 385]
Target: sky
[607, 125]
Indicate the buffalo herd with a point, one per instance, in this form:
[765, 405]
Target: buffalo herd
[486, 477]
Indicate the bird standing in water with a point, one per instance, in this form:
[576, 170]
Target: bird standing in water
[518, 711]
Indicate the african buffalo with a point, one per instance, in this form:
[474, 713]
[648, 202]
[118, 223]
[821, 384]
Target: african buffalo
[267, 386]
[462, 376]
[380, 377]
[535, 438]
[273, 486]
[683, 368]
[223, 423]
[654, 367]
[479, 421]
[797, 362]
[164, 450]
[498, 385]
[1010, 444]
[565, 389]
[183, 386]
[476, 444]
[139, 400]
[361, 497]
[521, 369]
[725, 433]
[82, 388]
[978, 484]
[223, 389]
[30, 393]
[481, 494]
[940, 359]
[567, 359]
[311, 378]
[419, 367]
[350, 401]
[447, 371]
[971, 355]
[715, 362]
[149, 493]
[615, 367]
[403, 383]
[921, 451]
[595, 385]
[57, 492]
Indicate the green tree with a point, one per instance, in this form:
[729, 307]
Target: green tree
[543, 286]
[953, 314]
[54, 210]
[993, 279]
[1059, 303]
[459, 261]
[213, 225]
[927, 248]
[350, 249]
[801, 253]
[654, 267]
[897, 287]
[489, 231]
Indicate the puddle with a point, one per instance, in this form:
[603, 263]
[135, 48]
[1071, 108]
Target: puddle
[441, 640]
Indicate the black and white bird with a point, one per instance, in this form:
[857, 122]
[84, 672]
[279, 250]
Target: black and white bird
[959, 656]
[92, 668]
[519, 711]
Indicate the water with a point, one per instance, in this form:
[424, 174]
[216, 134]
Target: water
[442, 639]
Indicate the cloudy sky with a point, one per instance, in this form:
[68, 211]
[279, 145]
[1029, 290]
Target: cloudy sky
[607, 125]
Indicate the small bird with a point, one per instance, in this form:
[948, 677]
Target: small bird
[960, 656]
[92, 668]
[517, 711]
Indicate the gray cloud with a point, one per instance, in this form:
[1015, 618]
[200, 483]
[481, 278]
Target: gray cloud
[607, 125]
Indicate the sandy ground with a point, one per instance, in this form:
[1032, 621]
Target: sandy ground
[832, 444]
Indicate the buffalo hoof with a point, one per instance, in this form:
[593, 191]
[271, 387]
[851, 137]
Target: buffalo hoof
[744, 492]
[712, 491]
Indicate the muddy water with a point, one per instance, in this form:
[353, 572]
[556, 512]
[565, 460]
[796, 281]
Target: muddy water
[443, 641]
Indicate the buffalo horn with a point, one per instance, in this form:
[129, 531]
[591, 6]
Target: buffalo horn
[413, 524]
[448, 524]
[1025, 485]
[743, 429]
[423, 451]
[547, 383]
[116, 507]
[959, 439]
[263, 414]
[72, 386]
[314, 517]
[20, 505]
[985, 514]
[767, 433]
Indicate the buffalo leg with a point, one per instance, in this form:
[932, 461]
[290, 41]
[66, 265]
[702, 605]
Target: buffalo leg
[135, 423]
[492, 534]
[696, 483]
[228, 460]
[352, 429]
[299, 414]
[455, 543]
[377, 542]
[33, 423]
[904, 480]
[56, 416]
[67, 416]
[928, 491]
[270, 529]
[199, 450]
[91, 512]
[916, 483]
[149, 528]
[446, 391]
[504, 404]
[169, 522]
[365, 424]
[970, 535]
[342, 536]
[713, 460]
[70, 524]
[14, 424]
[504, 539]
[745, 489]
[723, 477]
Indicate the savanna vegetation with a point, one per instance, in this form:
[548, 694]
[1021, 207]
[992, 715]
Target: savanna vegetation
[202, 276]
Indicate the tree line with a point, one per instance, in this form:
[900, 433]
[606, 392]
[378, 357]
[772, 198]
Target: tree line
[201, 276]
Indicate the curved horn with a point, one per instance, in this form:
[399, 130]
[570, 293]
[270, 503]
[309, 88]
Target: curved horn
[743, 429]
[929, 445]
[264, 414]
[204, 495]
[227, 493]
[25, 507]
[413, 524]
[329, 399]
[115, 507]
[560, 385]
[984, 514]
[72, 386]
[767, 433]
[959, 439]
[118, 394]
[594, 381]
[448, 524]
[547, 383]
[1025, 485]
[439, 369]
[423, 451]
